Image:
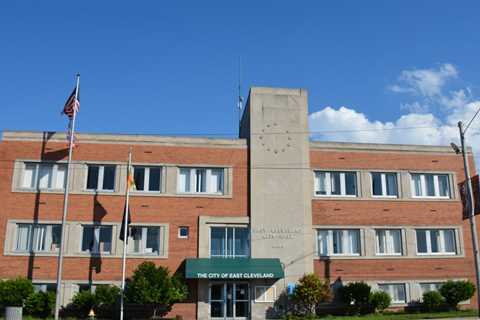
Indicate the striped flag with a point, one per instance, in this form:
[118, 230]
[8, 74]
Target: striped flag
[127, 218]
[74, 140]
[73, 104]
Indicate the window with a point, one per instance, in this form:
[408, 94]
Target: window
[397, 291]
[265, 294]
[436, 241]
[338, 242]
[45, 287]
[145, 240]
[430, 286]
[229, 242]
[101, 177]
[426, 185]
[44, 176]
[97, 239]
[200, 180]
[183, 232]
[389, 241]
[336, 183]
[384, 184]
[147, 178]
[38, 237]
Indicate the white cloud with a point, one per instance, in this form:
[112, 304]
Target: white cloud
[419, 125]
[425, 82]
[345, 124]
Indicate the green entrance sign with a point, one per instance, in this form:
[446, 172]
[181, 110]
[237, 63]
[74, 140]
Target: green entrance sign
[233, 268]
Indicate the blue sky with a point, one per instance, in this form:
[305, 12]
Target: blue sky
[172, 67]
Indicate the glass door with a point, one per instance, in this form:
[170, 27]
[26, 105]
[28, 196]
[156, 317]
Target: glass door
[229, 300]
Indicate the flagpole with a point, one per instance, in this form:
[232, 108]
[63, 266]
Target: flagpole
[65, 206]
[125, 235]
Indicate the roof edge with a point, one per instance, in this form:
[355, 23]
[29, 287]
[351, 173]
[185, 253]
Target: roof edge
[53, 136]
[356, 146]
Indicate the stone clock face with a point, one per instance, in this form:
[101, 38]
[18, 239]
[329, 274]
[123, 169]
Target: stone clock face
[274, 140]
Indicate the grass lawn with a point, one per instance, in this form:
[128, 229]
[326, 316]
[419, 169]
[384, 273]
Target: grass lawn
[405, 316]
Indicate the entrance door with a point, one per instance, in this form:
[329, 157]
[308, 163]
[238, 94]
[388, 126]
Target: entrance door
[229, 300]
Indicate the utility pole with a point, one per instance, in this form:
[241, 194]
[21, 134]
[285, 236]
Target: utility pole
[471, 209]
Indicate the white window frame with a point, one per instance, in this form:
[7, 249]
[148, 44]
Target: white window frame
[390, 248]
[96, 240]
[180, 232]
[436, 185]
[390, 291]
[328, 185]
[101, 168]
[441, 244]
[383, 178]
[264, 290]
[193, 180]
[345, 238]
[33, 237]
[35, 177]
[146, 178]
[143, 244]
[225, 239]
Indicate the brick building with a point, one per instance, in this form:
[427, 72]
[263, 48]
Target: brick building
[242, 218]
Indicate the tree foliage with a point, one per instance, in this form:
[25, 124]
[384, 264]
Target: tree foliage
[14, 292]
[40, 304]
[455, 292]
[356, 295]
[309, 292]
[153, 285]
[379, 301]
[103, 302]
[432, 301]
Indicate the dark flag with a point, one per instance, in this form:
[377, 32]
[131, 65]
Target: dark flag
[129, 221]
[73, 104]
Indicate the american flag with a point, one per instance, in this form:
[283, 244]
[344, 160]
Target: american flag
[72, 105]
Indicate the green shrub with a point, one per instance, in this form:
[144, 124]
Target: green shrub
[379, 301]
[106, 298]
[13, 292]
[40, 304]
[357, 296]
[309, 292]
[82, 303]
[103, 302]
[432, 301]
[457, 291]
[151, 285]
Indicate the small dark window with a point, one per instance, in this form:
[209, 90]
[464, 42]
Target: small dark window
[108, 177]
[183, 232]
[92, 178]
[139, 176]
[154, 180]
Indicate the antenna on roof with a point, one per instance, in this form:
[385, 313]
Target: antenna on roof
[240, 98]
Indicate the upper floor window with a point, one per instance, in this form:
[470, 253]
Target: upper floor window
[336, 183]
[44, 176]
[147, 178]
[200, 180]
[38, 237]
[101, 177]
[338, 242]
[396, 291]
[430, 185]
[229, 242]
[145, 240]
[384, 184]
[389, 241]
[96, 239]
[436, 241]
